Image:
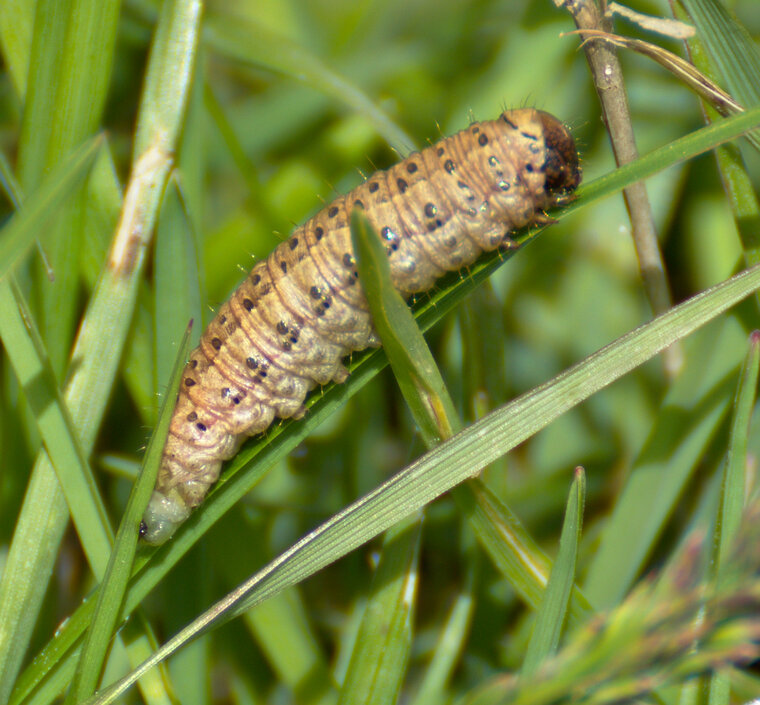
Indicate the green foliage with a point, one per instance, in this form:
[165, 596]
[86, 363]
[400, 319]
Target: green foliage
[224, 131]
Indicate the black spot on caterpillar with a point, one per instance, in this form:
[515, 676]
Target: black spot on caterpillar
[299, 312]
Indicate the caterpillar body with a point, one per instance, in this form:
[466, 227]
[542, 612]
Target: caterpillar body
[299, 312]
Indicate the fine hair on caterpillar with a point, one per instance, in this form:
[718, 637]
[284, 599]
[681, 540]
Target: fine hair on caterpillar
[301, 310]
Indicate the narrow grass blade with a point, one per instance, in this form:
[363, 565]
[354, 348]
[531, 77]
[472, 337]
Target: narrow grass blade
[736, 181]
[743, 199]
[68, 82]
[33, 550]
[382, 647]
[67, 85]
[175, 282]
[449, 646]
[511, 548]
[733, 490]
[731, 47]
[21, 232]
[32, 367]
[114, 583]
[551, 615]
[412, 362]
[28, 356]
[732, 496]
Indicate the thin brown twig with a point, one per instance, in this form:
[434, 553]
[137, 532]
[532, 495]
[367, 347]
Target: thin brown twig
[608, 80]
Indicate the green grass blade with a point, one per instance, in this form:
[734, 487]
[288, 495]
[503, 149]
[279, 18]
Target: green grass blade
[114, 583]
[70, 70]
[743, 199]
[32, 553]
[512, 549]
[27, 354]
[732, 496]
[20, 233]
[448, 649]
[384, 641]
[410, 358]
[551, 615]
[176, 284]
[16, 27]
[730, 46]
[734, 485]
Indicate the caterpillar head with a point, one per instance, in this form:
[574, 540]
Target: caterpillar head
[563, 170]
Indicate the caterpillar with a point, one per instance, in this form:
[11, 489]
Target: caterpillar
[300, 311]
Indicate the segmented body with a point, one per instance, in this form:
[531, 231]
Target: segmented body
[299, 312]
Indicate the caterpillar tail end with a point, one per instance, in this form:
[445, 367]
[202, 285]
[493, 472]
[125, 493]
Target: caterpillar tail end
[162, 517]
